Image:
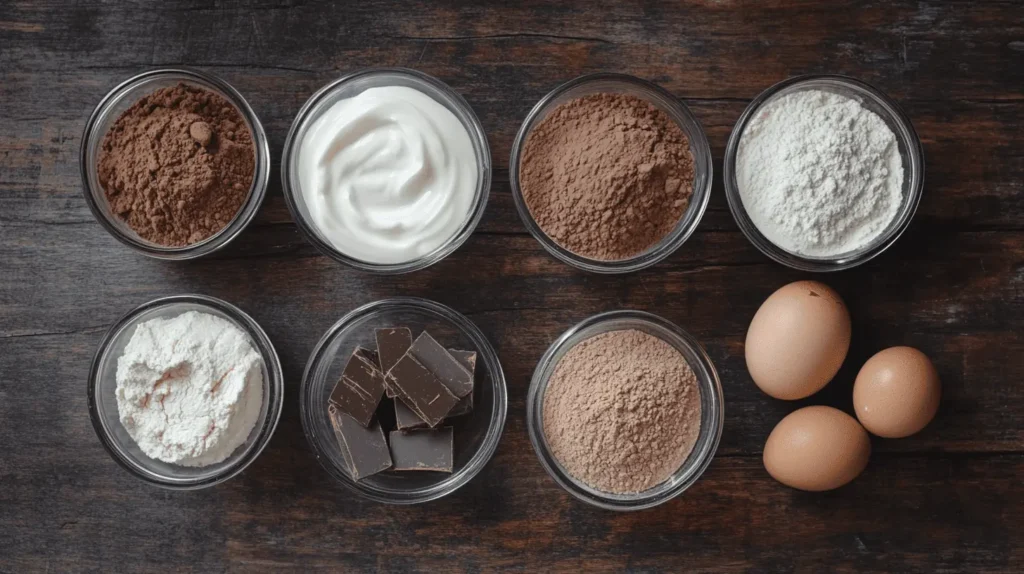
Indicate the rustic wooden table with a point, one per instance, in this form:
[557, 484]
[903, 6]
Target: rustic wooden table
[948, 499]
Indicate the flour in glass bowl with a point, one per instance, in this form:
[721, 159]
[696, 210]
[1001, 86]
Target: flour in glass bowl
[189, 388]
[819, 174]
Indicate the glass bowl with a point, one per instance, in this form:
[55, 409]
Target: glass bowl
[120, 99]
[476, 434]
[663, 100]
[910, 152]
[350, 86]
[103, 404]
[711, 418]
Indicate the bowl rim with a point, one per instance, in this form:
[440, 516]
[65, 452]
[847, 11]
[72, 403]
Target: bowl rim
[260, 340]
[261, 174]
[485, 452]
[290, 151]
[712, 384]
[905, 134]
[667, 245]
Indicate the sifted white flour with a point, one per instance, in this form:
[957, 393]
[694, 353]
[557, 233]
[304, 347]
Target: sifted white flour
[189, 389]
[819, 174]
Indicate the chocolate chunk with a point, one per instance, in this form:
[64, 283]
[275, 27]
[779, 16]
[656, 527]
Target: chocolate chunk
[360, 388]
[392, 344]
[468, 360]
[369, 356]
[406, 419]
[422, 449]
[464, 407]
[421, 391]
[364, 449]
[442, 364]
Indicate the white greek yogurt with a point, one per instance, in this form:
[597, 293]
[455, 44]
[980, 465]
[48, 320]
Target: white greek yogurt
[389, 175]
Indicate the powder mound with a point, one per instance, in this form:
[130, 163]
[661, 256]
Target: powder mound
[177, 165]
[622, 411]
[189, 388]
[607, 176]
[819, 174]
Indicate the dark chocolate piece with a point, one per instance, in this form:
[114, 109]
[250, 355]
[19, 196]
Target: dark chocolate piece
[333, 414]
[365, 450]
[468, 360]
[392, 343]
[360, 388]
[422, 392]
[371, 357]
[464, 407]
[442, 364]
[406, 419]
[422, 449]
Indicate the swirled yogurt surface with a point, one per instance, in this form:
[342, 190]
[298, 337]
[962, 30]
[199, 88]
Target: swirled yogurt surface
[388, 175]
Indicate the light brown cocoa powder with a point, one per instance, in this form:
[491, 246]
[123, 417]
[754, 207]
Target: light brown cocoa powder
[607, 176]
[622, 411]
[177, 165]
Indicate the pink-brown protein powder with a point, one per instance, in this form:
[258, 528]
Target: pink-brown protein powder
[622, 411]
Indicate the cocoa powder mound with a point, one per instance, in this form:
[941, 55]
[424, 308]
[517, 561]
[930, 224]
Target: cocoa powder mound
[622, 411]
[177, 165]
[607, 176]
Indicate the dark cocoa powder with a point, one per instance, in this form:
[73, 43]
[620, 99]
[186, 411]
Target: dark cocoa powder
[607, 176]
[177, 165]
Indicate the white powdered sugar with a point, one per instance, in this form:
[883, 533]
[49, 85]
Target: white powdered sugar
[189, 388]
[818, 174]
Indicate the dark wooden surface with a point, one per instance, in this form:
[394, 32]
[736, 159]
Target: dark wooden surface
[948, 499]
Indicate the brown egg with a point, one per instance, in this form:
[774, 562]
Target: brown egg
[797, 340]
[897, 392]
[817, 448]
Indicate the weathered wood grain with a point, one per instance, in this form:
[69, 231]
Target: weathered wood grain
[925, 50]
[948, 499]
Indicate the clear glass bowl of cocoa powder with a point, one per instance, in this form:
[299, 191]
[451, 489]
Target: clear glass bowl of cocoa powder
[120, 99]
[664, 101]
[476, 434]
[103, 407]
[910, 150]
[712, 413]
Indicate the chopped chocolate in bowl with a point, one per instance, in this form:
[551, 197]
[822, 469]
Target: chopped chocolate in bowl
[439, 421]
[428, 385]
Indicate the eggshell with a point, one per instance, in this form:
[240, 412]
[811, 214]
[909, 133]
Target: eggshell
[797, 340]
[897, 392]
[817, 448]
